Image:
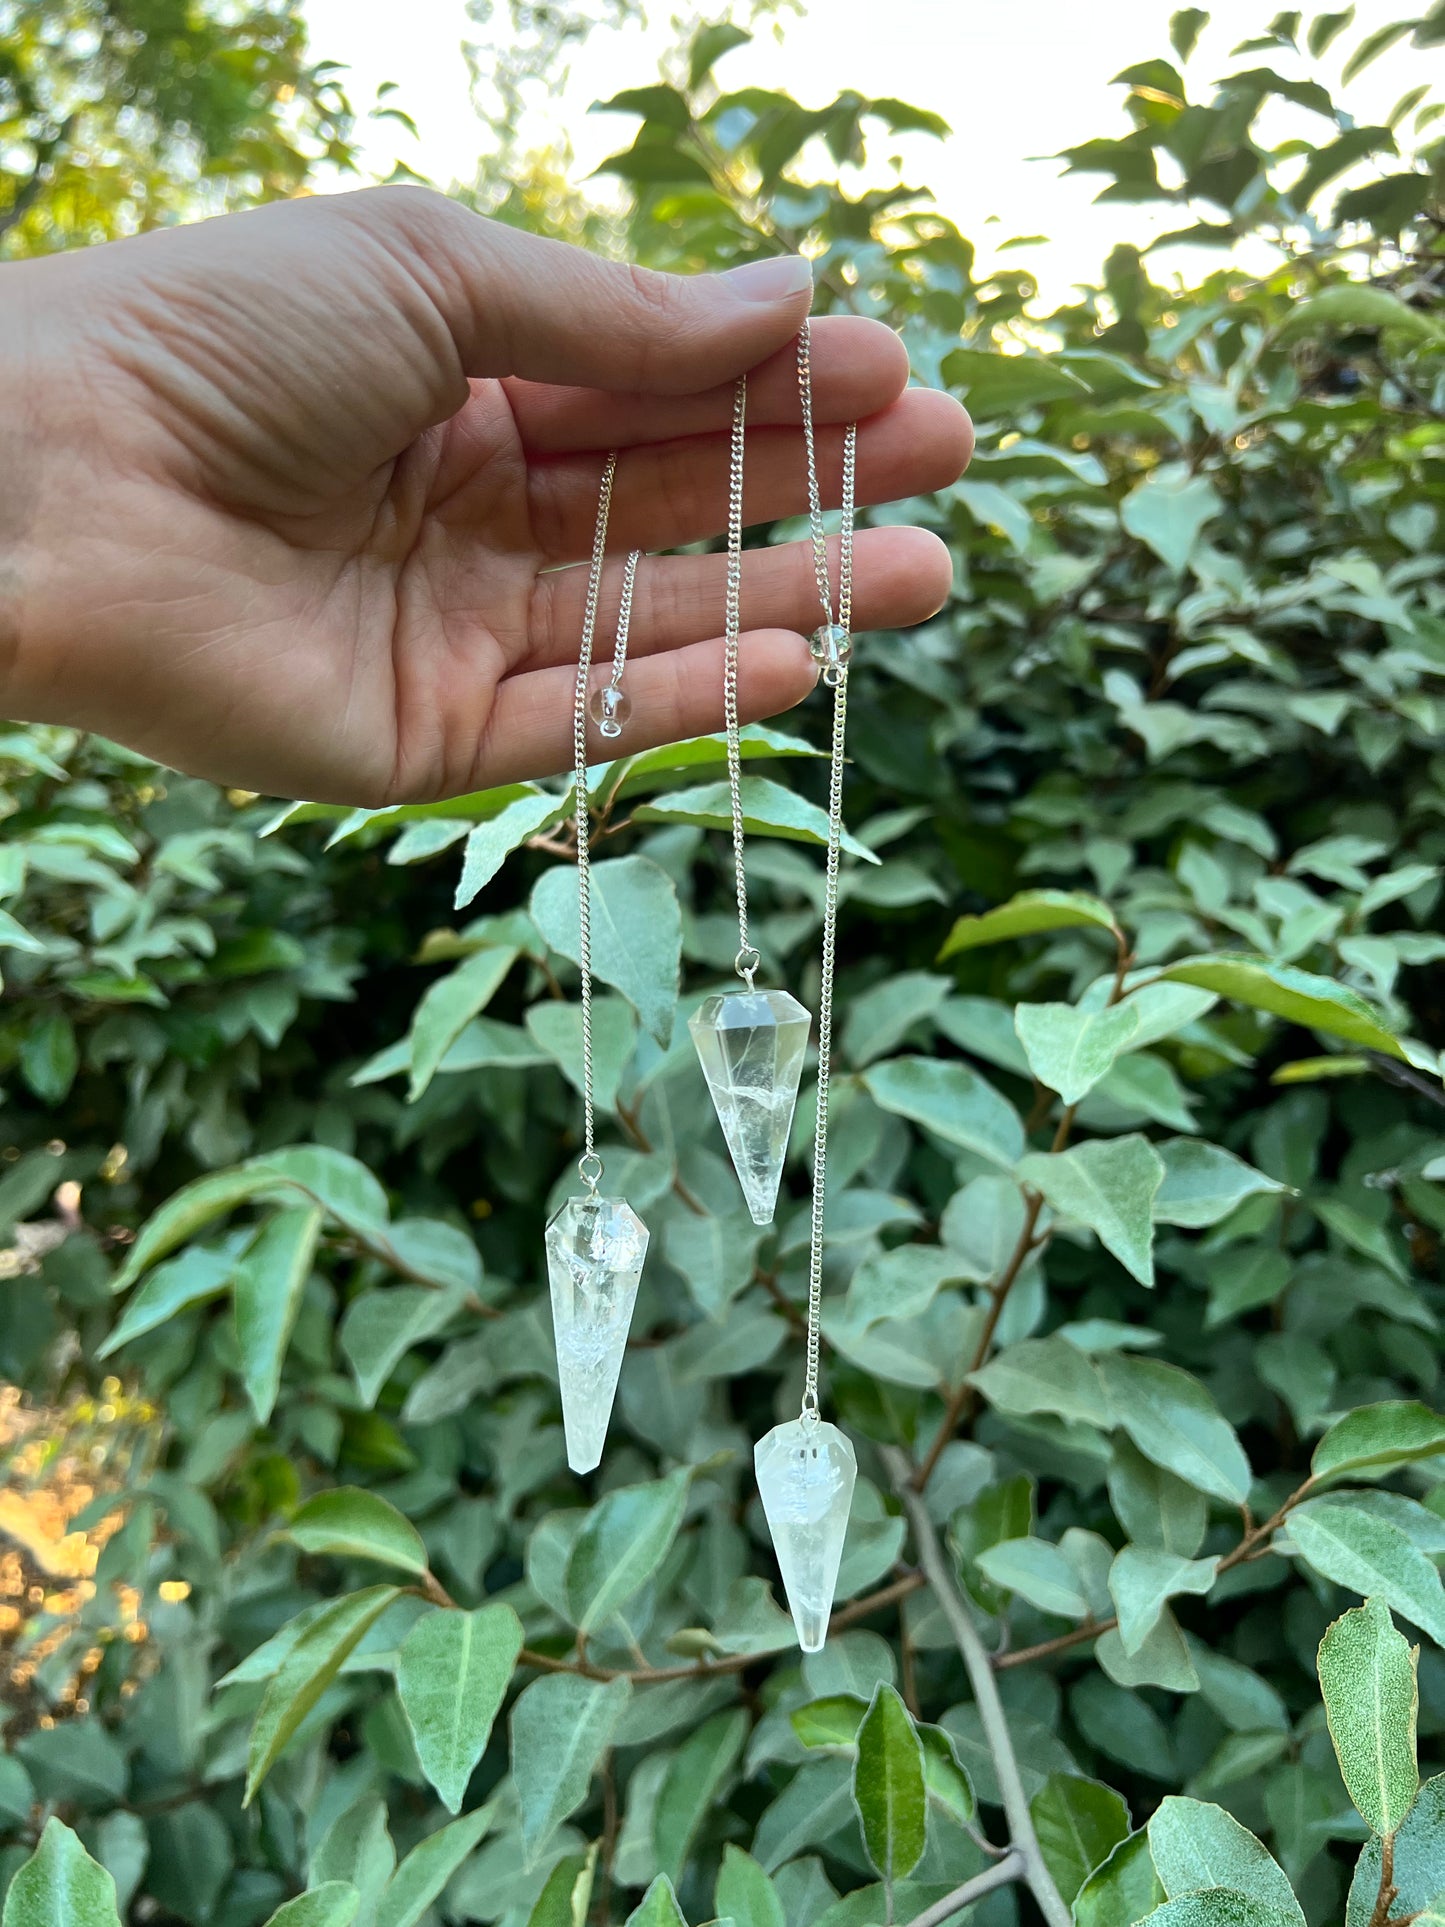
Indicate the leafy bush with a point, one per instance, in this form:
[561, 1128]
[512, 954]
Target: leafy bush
[1134, 1276]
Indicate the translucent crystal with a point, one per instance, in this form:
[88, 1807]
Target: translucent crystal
[595, 1249]
[609, 708]
[752, 1043]
[806, 1471]
[832, 646]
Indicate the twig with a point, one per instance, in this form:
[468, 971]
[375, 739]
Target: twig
[1046, 1648]
[845, 1616]
[1010, 1868]
[985, 1692]
[1385, 1898]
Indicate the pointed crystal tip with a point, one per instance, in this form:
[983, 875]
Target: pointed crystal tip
[595, 1252]
[752, 1044]
[806, 1473]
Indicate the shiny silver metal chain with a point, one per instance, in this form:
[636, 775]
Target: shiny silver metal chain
[589, 1165]
[835, 675]
[748, 958]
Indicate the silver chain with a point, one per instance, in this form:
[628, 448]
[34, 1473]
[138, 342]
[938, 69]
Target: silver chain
[748, 959]
[589, 1165]
[816, 526]
[837, 677]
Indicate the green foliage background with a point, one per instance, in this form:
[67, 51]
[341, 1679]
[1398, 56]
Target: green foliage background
[1138, 1179]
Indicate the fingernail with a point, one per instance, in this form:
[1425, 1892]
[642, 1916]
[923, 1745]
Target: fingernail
[777, 278]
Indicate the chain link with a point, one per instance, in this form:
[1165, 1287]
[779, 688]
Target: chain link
[624, 618]
[589, 1165]
[748, 958]
[838, 680]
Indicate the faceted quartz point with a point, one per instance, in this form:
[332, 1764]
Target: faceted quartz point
[806, 1471]
[595, 1249]
[752, 1044]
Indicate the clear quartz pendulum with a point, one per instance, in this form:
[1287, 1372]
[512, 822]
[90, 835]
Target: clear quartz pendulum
[751, 1042]
[595, 1244]
[806, 1468]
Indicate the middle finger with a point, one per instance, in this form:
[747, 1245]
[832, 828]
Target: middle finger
[676, 492]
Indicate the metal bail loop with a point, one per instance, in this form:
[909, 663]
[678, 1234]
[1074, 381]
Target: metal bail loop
[590, 1170]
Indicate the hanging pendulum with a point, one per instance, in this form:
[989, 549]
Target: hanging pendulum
[806, 1468]
[751, 1042]
[595, 1244]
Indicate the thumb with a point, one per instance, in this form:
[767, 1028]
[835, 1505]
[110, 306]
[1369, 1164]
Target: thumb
[520, 304]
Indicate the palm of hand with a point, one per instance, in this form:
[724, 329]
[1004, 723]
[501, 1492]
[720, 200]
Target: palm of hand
[307, 555]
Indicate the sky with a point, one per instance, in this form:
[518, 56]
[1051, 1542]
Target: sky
[1015, 79]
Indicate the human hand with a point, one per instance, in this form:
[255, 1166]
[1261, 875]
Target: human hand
[289, 490]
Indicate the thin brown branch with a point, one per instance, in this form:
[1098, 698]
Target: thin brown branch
[1385, 1898]
[1046, 1648]
[845, 1616]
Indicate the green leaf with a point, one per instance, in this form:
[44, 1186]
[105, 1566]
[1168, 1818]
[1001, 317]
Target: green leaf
[1376, 1439]
[636, 932]
[448, 1006]
[61, 1886]
[745, 1894]
[564, 1901]
[1109, 1185]
[1367, 1678]
[998, 386]
[1295, 995]
[76, 1761]
[888, 1789]
[306, 1672]
[951, 1101]
[1419, 1870]
[194, 1278]
[1079, 1822]
[341, 1185]
[490, 844]
[1143, 1578]
[1218, 1907]
[1371, 1556]
[1039, 1572]
[658, 1907]
[1069, 1050]
[350, 1523]
[50, 1057]
[625, 1538]
[357, 1850]
[267, 1290]
[557, 1027]
[1045, 1375]
[452, 1674]
[768, 810]
[833, 1721]
[380, 1327]
[1168, 510]
[1026, 915]
[1173, 1421]
[560, 1727]
[1155, 1507]
[708, 47]
[428, 1867]
[696, 1776]
[334, 1904]
[1198, 1847]
[1203, 1183]
[1125, 1888]
[193, 1207]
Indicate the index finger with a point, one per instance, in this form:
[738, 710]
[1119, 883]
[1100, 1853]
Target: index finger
[859, 367]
